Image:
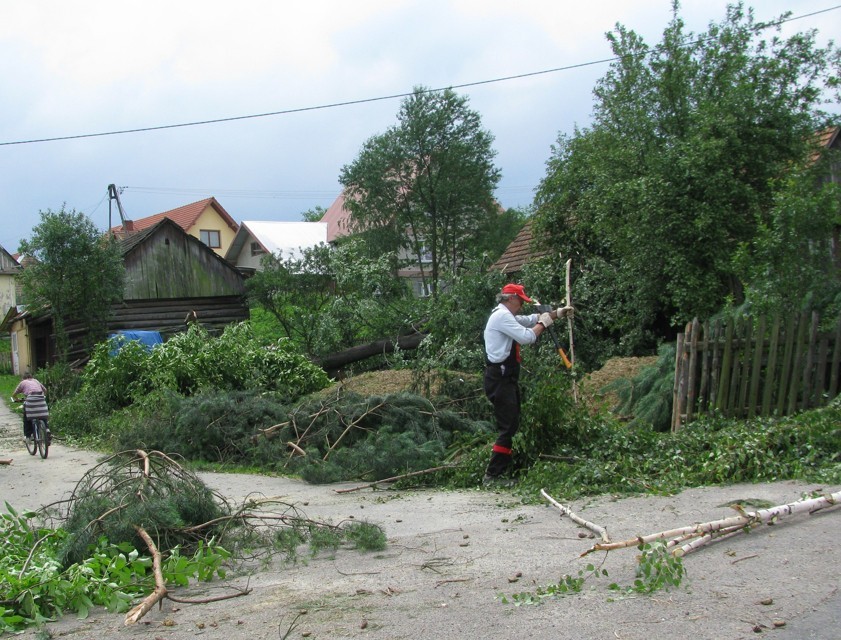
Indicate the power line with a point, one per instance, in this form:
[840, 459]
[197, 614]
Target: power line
[234, 193]
[348, 103]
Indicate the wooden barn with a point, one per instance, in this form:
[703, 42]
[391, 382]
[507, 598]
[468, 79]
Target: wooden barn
[172, 280]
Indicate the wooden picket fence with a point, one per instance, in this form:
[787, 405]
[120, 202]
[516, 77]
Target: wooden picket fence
[746, 367]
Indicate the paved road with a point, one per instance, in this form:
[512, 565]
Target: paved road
[30, 482]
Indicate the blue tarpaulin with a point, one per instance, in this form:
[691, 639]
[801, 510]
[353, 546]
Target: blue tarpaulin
[147, 338]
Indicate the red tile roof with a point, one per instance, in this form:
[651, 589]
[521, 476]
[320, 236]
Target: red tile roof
[185, 217]
[519, 252]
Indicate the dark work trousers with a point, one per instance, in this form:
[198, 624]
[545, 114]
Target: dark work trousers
[502, 387]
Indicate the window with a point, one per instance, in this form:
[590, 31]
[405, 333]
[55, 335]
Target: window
[210, 238]
[423, 289]
[256, 249]
[425, 253]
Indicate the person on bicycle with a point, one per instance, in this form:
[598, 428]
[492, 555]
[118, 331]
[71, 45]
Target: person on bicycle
[33, 394]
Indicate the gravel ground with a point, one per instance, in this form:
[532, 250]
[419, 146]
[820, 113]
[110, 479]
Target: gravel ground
[451, 554]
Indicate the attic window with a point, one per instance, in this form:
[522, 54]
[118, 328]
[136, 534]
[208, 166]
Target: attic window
[210, 238]
[256, 249]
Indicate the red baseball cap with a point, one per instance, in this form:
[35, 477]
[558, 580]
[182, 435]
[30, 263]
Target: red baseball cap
[518, 290]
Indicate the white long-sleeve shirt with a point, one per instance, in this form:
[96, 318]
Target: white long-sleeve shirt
[503, 328]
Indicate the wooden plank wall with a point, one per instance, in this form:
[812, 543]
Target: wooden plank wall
[747, 366]
[167, 316]
[170, 264]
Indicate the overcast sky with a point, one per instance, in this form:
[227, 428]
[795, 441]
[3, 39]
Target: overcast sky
[89, 67]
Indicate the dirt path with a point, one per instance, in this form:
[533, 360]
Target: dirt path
[451, 554]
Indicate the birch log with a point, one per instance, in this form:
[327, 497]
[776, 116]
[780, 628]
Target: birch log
[717, 529]
[577, 519]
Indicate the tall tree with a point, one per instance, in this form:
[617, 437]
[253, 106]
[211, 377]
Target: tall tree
[313, 215]
[77, 273]
[426, 184]
[679, 169]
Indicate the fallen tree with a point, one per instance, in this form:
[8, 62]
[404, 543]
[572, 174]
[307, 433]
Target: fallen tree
[332, 363]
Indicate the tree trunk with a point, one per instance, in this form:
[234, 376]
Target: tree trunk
[332, 362]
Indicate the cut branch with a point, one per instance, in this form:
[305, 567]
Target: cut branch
[349, 427]
[160, 586]
[395, 478]
[687, 539]
[577, 519]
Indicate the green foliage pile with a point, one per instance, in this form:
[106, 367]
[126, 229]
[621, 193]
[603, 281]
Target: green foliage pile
[35, 586]
[211, 426]
[129, 490]
[345, 436]
[607, 457]
[648, 396]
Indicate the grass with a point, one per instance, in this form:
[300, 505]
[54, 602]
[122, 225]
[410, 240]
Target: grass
[8, 383]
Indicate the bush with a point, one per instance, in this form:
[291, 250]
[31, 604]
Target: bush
[194, 361]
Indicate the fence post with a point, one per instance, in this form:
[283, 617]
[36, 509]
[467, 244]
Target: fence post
[726, 361]
[677, 391]
[785, 369]
[771, 367]
[704, 384]
[692, 377]
[836, 361]
[756, 369]
[744, 382]
[808, 379]
[794, 388]
[715, 374]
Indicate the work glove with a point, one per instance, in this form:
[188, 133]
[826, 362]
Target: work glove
[545, 319]
[565, 312]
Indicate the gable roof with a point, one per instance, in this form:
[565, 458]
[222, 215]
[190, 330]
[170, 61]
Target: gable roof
[8, 263]
[337, 218]
[274, 237]
[130, 243]
[185, 217]
[519, 251]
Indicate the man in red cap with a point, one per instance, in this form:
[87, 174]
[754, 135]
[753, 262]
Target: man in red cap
[505, 331]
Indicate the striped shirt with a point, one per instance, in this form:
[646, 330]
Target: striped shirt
[35, 406]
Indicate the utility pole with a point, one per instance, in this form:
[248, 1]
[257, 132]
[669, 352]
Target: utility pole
[114, 195]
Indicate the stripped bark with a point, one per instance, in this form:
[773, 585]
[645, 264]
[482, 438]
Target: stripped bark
[569, 325]
[160, 585]
[577, 519]
[687, 539]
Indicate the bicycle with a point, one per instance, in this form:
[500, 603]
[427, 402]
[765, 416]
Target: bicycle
[39, 441]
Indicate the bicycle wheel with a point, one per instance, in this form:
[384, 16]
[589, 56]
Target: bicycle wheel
[40, 428]
[31, 446]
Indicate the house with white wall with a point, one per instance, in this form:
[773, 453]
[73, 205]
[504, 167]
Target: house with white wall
[255, 239]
